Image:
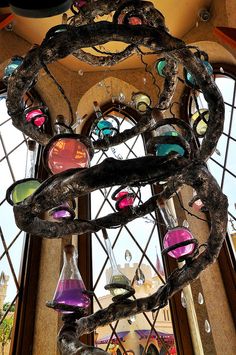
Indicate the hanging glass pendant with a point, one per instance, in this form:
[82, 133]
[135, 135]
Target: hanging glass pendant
[21, 189]
[183, 300]
[207, 326]
[185, 224]
[117, 277]
[139, 277]
[190, 80]
[70, 289]
[167, 148]
[200, 298]
[12, 66]
[128, 255]
[160, 65]
[36, 115]
[199, 121]
[67, 151]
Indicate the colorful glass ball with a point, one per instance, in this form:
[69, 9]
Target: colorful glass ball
[126, 201]
[165, 149]
[134, 20]
[37, 116]
[202, 125]
[160, 67]
[67, 153]
[62, 212]
[190, 79]
[23, 190]
[104, 128]
[178, 235]
[12, 66]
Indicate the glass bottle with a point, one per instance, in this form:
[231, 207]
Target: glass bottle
[70, 288]
[116, 276]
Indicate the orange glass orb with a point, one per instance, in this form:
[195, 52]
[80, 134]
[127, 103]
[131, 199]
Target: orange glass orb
[67, 153]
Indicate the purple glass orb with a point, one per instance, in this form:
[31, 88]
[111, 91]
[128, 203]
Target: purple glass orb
[175, 236]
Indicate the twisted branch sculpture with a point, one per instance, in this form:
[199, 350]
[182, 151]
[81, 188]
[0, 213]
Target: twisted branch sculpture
[177, 171]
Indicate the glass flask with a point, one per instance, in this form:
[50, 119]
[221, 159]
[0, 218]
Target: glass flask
[116, 276]
[167, 148]
[70, 288]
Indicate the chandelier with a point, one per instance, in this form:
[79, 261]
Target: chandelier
[175, 158]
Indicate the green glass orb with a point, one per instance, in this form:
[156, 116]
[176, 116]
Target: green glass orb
[24, 189]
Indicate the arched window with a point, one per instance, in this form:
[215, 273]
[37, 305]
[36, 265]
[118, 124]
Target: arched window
[136, 245]
[19, 254]
[222, 165]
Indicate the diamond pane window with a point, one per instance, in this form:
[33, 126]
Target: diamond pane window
[222, 163]
[14, 158]
[137, 253]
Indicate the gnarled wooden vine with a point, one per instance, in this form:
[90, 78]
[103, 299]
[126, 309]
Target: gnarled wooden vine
[80, 32]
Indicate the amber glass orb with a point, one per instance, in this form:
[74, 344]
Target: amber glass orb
[201, 126]
[66, 153]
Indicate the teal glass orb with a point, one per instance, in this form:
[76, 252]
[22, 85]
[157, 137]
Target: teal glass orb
[12, 66]
[104, 128]
[189, 78]
[165, 149]
[160, 67]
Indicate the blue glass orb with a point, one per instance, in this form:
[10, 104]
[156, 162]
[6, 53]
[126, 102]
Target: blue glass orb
[191, 81]
[12, 66]
[104, 128]
[165, 149]
[160, 66]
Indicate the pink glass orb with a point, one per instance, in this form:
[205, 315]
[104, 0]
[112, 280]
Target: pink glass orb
[197, 205]
[126, 201]
[134, 20]
[178, 235]
[39, 121]
[67, 153]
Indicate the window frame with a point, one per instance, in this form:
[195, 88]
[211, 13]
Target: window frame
[227, 261]
[24, 315]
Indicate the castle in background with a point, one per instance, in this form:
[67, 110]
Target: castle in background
[3, 288]
[135, 331]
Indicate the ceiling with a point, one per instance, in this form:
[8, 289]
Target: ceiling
[180, 19]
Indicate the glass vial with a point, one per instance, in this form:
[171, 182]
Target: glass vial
[116, 276]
